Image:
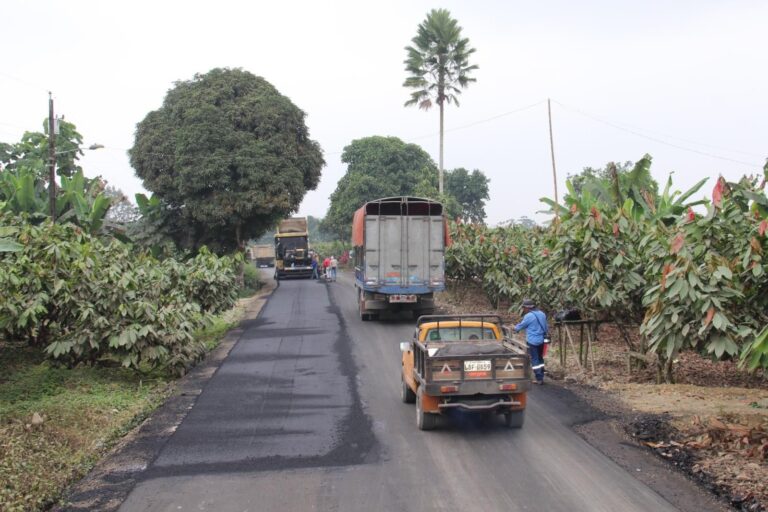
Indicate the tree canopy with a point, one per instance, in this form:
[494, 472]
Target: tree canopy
[376, 167]
[470, 189]
[228, 156]
[438, 67]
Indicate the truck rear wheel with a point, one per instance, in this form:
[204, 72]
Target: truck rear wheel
[514, 419]
[424, 420]
[364, 316]
[406, 393]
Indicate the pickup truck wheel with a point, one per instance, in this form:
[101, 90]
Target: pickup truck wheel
[424, 420]
[514, 419]
[406, 393]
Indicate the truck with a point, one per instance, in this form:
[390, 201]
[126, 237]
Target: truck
[292, 254]
[263, 255]
[464, 362]
[399, 255]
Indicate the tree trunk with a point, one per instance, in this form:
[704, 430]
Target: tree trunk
[440, 168]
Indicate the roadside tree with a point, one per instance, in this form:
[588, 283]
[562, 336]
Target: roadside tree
[376, 167]
[228, 156]
[438, 67]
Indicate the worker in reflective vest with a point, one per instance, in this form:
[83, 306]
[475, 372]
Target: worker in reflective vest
[535, 324]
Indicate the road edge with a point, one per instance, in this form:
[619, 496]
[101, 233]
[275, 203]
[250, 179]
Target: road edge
[110, 481]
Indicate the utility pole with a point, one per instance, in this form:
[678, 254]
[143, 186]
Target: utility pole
[552, 150]
[51, 158]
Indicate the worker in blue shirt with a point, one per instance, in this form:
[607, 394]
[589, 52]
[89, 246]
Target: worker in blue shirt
[535, 324]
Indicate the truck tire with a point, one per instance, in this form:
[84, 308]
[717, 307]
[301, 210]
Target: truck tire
[424, 420]
[363, 315]
[514, 419]
[406, 393]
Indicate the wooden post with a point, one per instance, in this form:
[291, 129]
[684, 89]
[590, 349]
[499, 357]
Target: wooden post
[51, 159]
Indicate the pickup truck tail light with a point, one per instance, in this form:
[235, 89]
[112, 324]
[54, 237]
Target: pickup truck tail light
[507, 387]
[449, 389]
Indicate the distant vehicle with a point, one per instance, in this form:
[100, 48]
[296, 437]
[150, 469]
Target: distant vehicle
[464, 362]
[292, 254]
[263, 255]
[399, 255]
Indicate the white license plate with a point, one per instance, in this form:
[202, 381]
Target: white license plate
[402, 298]
[477, 366]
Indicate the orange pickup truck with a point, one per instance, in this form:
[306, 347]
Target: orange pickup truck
[464, 362]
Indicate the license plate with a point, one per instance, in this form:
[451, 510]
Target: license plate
[402, 298]
[477, 366]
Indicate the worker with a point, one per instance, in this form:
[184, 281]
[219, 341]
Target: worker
[535, 324]
[326, 264]
[334, 265]
[314, 267]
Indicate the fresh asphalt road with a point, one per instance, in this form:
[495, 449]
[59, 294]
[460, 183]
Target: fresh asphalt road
[305, 414]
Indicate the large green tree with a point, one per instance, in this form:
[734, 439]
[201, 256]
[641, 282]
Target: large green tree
[228, 156]
[376, 167]
[470, 189]
[438, 67]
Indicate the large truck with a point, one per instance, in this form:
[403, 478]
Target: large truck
[292, 255]
[263, 255]
[399, 254]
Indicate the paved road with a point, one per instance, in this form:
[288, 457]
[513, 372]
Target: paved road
[304, 414]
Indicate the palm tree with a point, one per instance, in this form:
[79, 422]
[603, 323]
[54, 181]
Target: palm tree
[438, 64]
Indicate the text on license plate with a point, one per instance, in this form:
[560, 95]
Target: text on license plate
[477, 366]
[402, 298]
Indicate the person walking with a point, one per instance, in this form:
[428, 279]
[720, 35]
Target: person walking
[314, 267]
[535, 324]
[334, 266]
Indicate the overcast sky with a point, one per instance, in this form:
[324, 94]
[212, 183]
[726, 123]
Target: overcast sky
[691, 77]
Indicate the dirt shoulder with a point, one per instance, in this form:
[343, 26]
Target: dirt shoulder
[711, 427]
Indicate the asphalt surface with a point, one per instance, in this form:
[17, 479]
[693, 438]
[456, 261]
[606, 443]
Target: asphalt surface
[304, 414]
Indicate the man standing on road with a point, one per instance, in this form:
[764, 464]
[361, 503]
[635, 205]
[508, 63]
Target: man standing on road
[535, 324]
[314, 267]
[334, 266]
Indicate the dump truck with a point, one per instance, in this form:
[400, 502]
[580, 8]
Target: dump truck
[292, 254]
[399, 255]
[464, 362]
[263, 255]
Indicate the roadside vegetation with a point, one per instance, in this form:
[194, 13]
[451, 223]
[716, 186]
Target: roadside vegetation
[105, 304]
[679, 286]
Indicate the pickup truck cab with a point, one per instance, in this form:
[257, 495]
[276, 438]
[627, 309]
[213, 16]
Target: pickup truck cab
[464, 362]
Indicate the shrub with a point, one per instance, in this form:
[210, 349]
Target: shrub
[88, 300]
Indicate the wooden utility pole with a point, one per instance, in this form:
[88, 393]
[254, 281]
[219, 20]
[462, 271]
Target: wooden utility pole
[51, 158]
[552, 150]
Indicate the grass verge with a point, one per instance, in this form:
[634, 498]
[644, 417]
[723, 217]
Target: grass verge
[55, 423]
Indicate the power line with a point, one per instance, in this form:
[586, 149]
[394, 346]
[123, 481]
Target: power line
[654, 139]
[24, 82]
[482, 121]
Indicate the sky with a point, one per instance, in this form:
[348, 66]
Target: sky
[684, 81]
